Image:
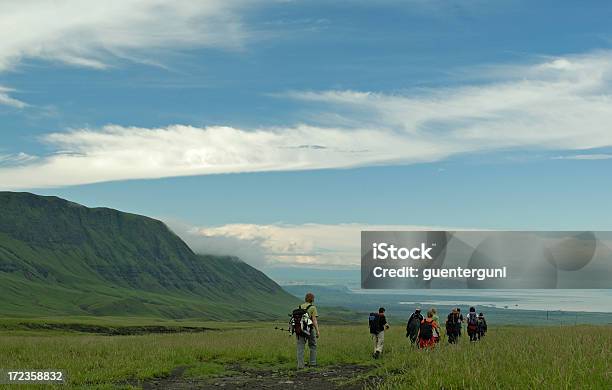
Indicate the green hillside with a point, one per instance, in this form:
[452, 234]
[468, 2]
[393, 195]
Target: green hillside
[61, 258]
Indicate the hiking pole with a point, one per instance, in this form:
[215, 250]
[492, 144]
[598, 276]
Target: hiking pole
[283, 330]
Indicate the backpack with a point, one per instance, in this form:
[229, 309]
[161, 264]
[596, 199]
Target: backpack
[450, 324]
[450, 327]
[413, 322]
[472, 321]
[426, 330]
[482, 324]
[300, 322]
[373, 320]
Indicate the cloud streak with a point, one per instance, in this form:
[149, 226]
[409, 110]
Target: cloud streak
[562, 103]
[594, 156]
[120, 153]
[93, 34]
[7, 100]
[15, 159]
[558, 104]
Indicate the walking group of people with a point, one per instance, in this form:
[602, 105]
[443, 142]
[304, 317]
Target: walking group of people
[419, 328]
[423, 331]
[476, 325]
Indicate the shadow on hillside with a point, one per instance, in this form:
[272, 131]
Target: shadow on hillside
[113, 331]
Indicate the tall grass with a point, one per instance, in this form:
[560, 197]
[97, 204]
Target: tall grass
[540, 357]
[511, 357]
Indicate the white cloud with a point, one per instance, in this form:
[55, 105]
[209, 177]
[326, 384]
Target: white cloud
[559, 104]
[15, 159]
[92, 33]
[595, 156]
[563, 103]
[119, 153]
[7, 100]
[96, 34]
[317, 245]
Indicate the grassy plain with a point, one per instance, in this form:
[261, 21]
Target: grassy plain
[565, 357]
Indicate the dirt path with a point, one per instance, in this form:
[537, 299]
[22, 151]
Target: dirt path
[322, 378]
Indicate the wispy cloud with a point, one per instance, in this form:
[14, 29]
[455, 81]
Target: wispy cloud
[92, 34]
[558, 104]
[15, 159]
[595, 156]
[563, 103]
[119, 153]
[7, 100]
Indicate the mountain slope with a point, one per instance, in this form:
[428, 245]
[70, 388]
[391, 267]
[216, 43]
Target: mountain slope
[58, 257]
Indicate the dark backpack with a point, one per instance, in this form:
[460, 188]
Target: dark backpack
[480, 323]
[450, 327]
[450, 323]
[414, 322]
[296, 323]
[472, 321]
[426, 330]
[373, 323]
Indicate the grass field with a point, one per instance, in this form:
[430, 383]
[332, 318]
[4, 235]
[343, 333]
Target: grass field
[566, 357]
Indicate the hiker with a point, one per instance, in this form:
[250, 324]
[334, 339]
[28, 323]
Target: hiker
[482, 325]
[306, 328]
[414, 322]
[427, 329]
[378, 324]
[459, 322]
[436, 318]
[451, 326]
[472, 324]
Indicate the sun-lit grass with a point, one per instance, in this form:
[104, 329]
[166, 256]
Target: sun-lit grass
[576, 357]
[516, 357]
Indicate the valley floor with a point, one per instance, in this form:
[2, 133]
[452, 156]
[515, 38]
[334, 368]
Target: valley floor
[255, 355]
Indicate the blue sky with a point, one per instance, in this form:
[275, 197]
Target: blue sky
[265, 127]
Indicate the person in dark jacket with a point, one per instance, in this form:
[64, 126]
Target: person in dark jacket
[459, 322]
[482, 325]
[451, 326]
[379, 337]
[413, 325]
[472, 324]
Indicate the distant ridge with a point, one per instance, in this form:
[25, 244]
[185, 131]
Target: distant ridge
[61, 258]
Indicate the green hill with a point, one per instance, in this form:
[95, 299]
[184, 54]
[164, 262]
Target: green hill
[61, 258]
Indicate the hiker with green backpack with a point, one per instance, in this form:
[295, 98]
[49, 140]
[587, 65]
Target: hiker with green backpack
[305, 326]
[378, 324]
[437, 334]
